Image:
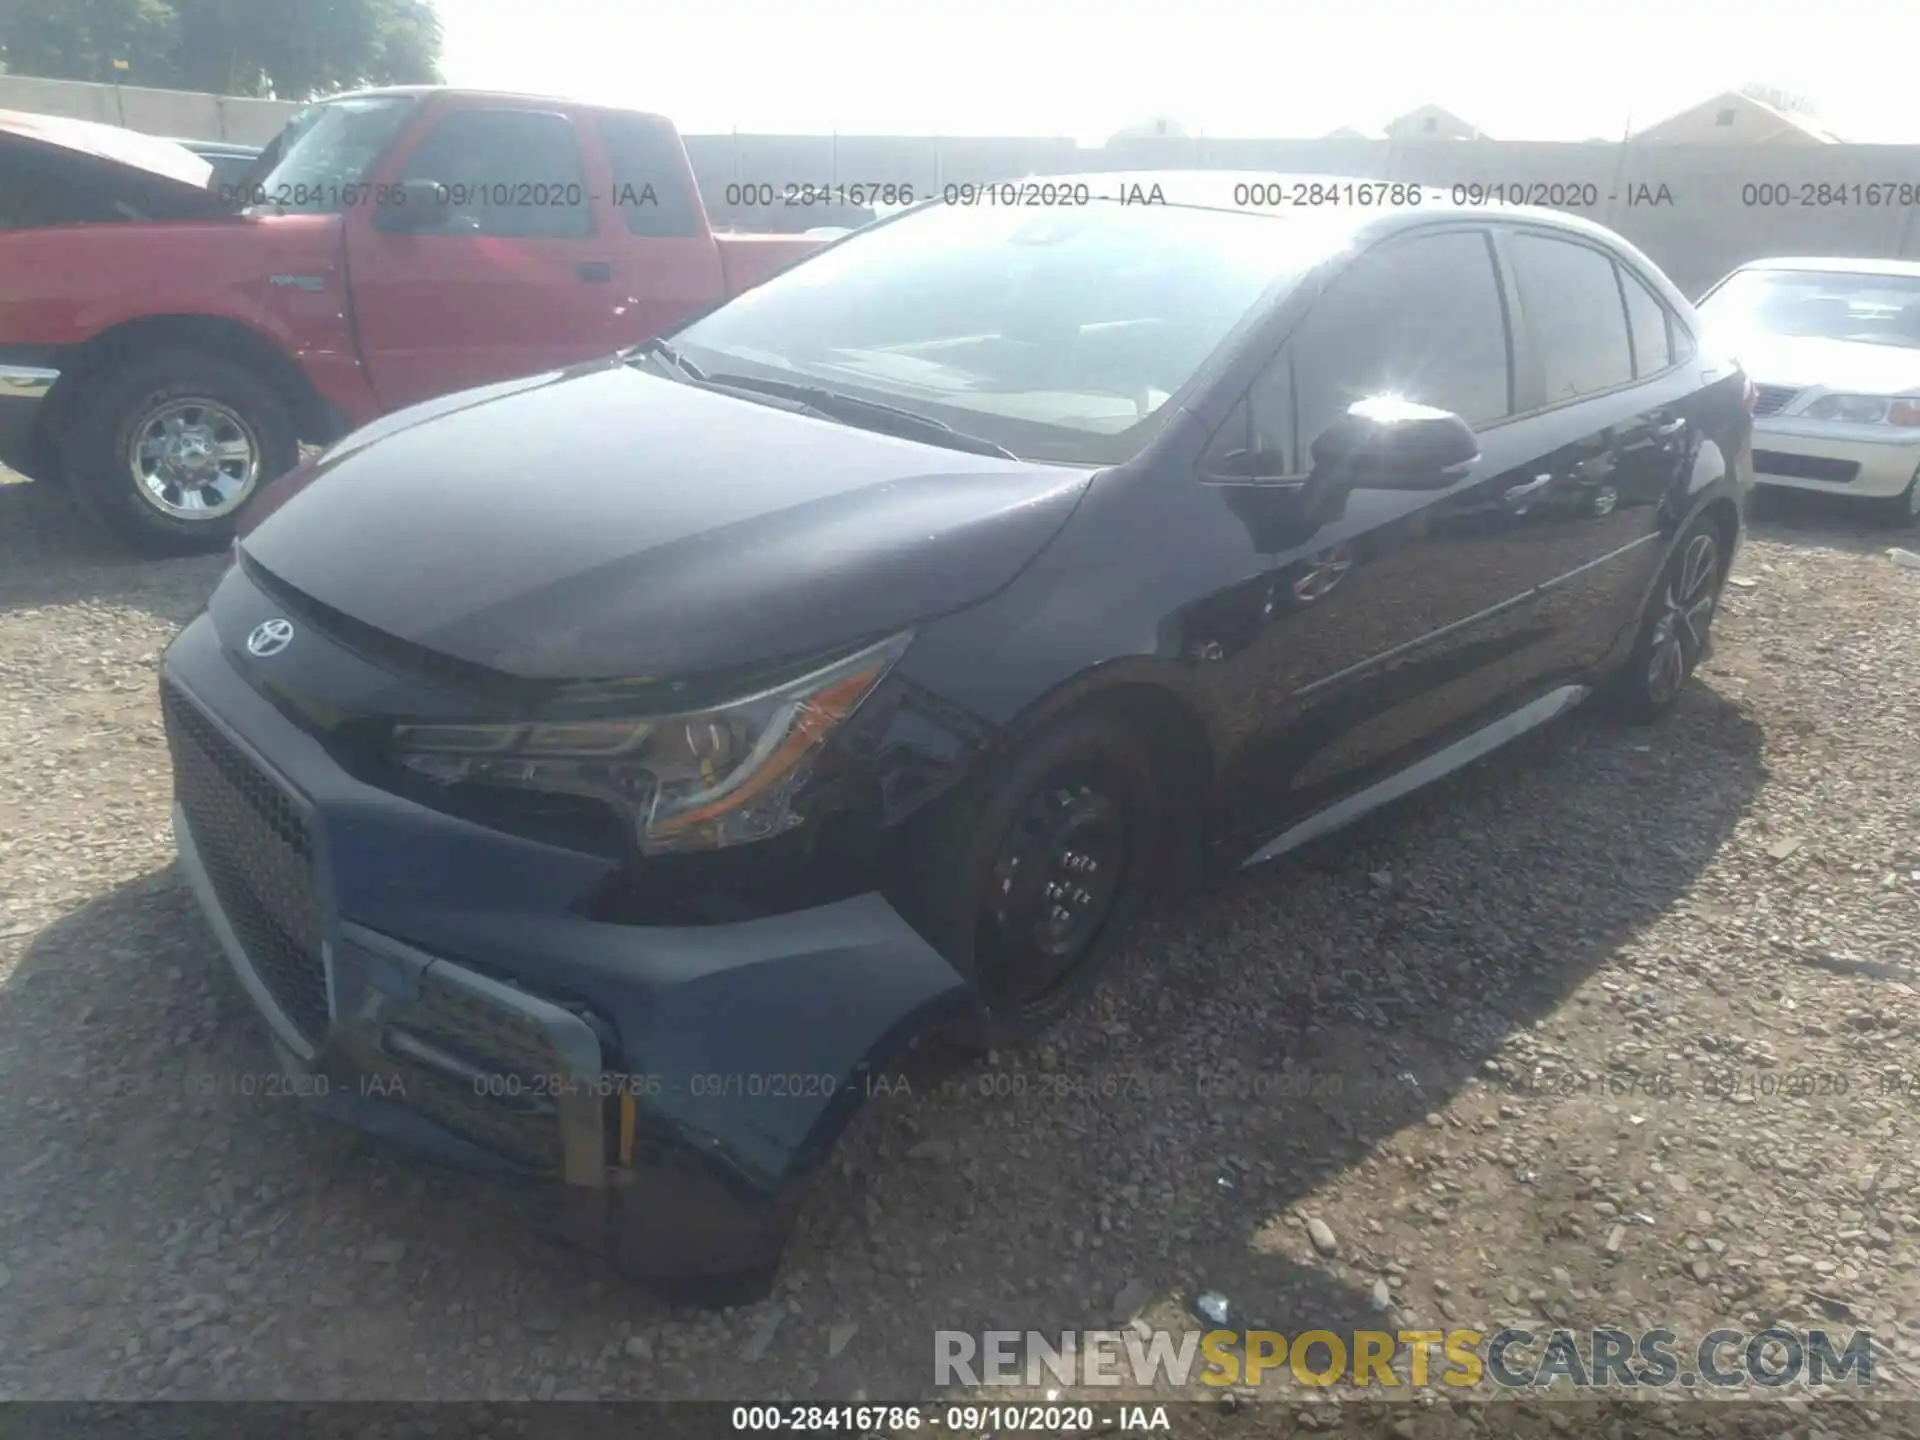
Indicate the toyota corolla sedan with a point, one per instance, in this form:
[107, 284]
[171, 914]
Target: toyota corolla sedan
[603, 778]
[1834, 348]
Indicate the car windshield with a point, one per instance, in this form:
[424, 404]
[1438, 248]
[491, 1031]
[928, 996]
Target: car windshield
[1876, 309]
[326, 150]
[1057, 334]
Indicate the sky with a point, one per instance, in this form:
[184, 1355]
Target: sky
[1540, 70]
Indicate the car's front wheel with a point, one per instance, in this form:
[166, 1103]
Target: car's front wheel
[1676, 631]
[1035, 872]
[1902, 511]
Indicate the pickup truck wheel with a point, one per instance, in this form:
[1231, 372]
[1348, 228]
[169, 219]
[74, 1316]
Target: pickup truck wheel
[169, 449]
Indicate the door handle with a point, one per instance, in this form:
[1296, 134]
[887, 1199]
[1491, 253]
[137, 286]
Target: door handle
[1521, 494]
[1670, 429]
[596, 271]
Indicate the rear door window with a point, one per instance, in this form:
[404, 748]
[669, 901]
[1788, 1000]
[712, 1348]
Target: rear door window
[1575, 311]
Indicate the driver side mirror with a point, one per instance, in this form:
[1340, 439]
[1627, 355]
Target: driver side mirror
[411, 206]
[1385, 443]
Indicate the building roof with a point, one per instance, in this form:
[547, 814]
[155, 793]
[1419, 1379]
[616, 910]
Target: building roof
[1422, 113]
[1734, 99]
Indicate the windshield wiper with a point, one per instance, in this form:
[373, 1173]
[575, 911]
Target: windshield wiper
[853, 410]
[667, 353]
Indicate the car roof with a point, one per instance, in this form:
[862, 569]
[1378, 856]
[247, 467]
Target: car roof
[1346, 216]
[1211, 189]
[1837, 264]
[418, 92]
[1202, 188]
[1358, 212]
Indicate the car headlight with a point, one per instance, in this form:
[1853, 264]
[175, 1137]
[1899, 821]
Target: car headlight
[699, 780]
[1867, 409]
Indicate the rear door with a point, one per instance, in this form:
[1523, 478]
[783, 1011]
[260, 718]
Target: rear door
[1606, 379]
[518, 277]
[1389, 626]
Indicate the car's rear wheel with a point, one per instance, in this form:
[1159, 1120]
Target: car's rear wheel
[1036, 872]
[168, 449]
[1676, 631]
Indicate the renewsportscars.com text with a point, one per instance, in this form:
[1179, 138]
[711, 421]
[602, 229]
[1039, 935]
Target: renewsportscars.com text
[1509, 1358]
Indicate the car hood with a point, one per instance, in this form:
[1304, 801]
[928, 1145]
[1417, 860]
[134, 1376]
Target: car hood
[1848, 366]
[601, 523]
[128, 152]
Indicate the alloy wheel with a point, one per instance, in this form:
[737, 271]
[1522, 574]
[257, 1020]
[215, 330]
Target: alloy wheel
[1686, 611]
[194, 459]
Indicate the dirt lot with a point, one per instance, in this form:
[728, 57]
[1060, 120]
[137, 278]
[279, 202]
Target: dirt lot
[1599, 1032]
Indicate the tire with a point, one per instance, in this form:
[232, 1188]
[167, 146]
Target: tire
[207, 419]
[1676, 632]
[711, 1292]
[1902, 511]
[1067, 825]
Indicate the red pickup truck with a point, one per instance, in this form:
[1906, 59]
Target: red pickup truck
[167, 344]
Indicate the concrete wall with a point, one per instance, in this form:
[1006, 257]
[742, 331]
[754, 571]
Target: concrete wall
[1701, 228]
[182, 114]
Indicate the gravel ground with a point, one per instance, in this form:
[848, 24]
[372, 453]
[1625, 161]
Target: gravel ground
[1616, 1028]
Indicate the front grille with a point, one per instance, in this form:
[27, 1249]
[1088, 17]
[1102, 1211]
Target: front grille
[258, 856]
[521, 1121]
[1805, 467]
[1773, 398]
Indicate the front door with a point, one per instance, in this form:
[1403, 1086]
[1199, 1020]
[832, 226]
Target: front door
[1389, 625]
[517, 278]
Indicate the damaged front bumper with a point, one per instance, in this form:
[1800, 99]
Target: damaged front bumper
[670, 1089]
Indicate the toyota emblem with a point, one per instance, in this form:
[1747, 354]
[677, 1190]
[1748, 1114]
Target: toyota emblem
[270, 637]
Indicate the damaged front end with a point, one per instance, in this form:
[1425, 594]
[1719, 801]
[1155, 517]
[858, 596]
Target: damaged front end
[517, 947]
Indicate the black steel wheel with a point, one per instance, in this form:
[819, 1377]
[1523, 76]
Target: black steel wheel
[1035, 873]
[1053, 886]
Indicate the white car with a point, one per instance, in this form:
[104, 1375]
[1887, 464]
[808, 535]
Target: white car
[1833, 347]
